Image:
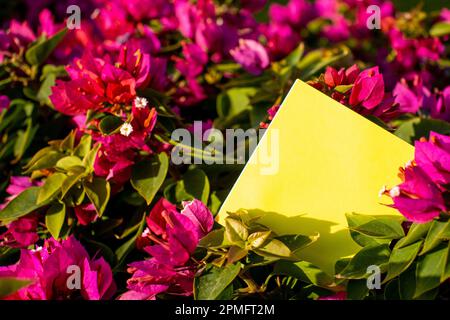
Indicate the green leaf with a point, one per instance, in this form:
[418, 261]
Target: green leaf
[235, 231]
[46, 89]
[354, 220]
[54, 219]
[429, 270]
[257, 239]
[47, 161]
[40, 51]
[446, 273]
[89, 158]
[297, 242]
[71, 181]
[440, 29]
[214, 281]
[110, 124]
[416, 232]
[381, 228]
[357, 289]
[24, 138]
[148, 176]
[305, 272]
[274, 249]
[98, 191]
[417, 128]
[435, 235]
[68, 142]
[343, 88]
[69, 162]
[370, 255]
[294, 57]
[83, 147]
[215, 238]
[401, 258]
[23, 204]
[194, 184]
[9, 286]
[123, 251]
[51, 187]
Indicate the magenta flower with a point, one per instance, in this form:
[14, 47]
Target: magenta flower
[433, 157]
[21, 232]
[4, 103]
[253, 5]
[439, 106]
[338, 296]
[334, 78]
[85, 213]
[195, 59]
[171, 238]
[96, 83]
[417, 198]
[50, 267]
[420, 197]
[251, 55]
[281, 39]
[368, 89]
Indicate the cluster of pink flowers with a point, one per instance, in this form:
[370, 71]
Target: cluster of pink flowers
[423, 194]
[363, 91]
[171, 238]
[48, 269]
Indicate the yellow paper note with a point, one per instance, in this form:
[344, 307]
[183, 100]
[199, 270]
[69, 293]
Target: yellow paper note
[331, 161]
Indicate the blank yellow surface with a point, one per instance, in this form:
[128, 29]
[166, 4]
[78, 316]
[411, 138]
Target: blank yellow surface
[331, 161]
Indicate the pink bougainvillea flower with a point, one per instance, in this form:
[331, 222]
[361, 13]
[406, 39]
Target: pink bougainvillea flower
[200, 215]
[438, 106]
[154, 8]
[338, 296]
[281, 39]
[114, 158]
[296, 13]
[421, 196]
[253, 5]
[251, 55]
[4, 103]
[151, 278]
[195, 59]
[170, 238]
[96, 83]
[85, 213]
[411, 51]
[334, 78]
[409, 99]
[418, 198]
[50, 267]
[368, 89]
[433, 157]
[21, 232]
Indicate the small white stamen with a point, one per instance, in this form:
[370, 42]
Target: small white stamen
[140, 102]
[395, 192]
[126, 129]
[38, 248]
[382, 191]
[146, 232]
[408, 164]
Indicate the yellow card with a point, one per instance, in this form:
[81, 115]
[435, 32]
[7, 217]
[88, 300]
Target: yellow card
[327, 160]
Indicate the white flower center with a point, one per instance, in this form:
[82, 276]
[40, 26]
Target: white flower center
[140, 102]
[126, 129]
[395, 192]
